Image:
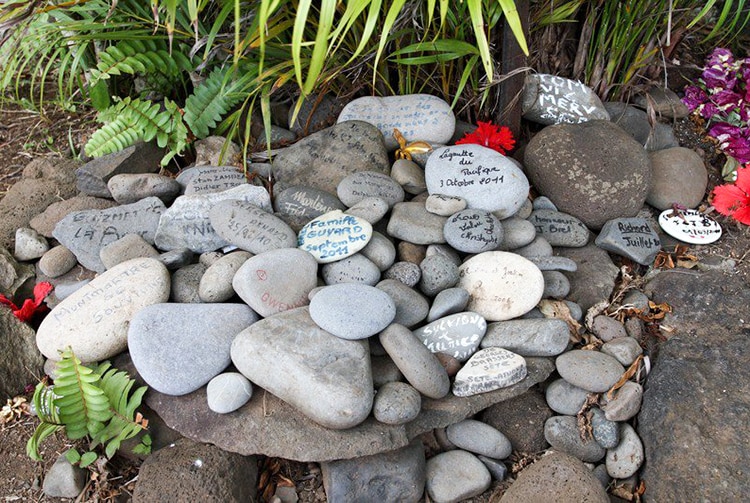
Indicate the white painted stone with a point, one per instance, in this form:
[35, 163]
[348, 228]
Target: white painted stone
[501, 285]
[334, 236]
[457, 335]
[94, 320]
[489, 369]
[690, 226]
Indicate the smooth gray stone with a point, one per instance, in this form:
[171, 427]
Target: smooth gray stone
[129, 188]
[605, 432]
[380, 250]
[636, 299]
[216, 283]
[92, 177]
[556, 477]
[29, 245]
[438, 273]
[210, 179]
[549, 99]
[624, 349]
[280, 137]
[565, 398]
[174, 259]
[420, 367]
[679, 176]
[473, 231]
[276, 281]
[517, 233]
[57, 261]
[64, 480]
[411, 306]
[543, 203]
[486, 179]
[590, 370]
[626, 402]
[630, 237]
[556, 285]
[409, 175]
[187, 224]
[525, 210]
[479, 438]
[413, 223]
[384, 370]
[352, 310]
[497, 469]
[575, 310]
[562, 434]
[363, 184]
[407, 273]
[251, 228]
[186, 284]
[632, 120]
[627, 457]
[448, 301]
[540, 247]
[554, 263]
[662, 137]
[444, 250]
[325, 377]
[521, 419]
[86, 232]
[607, 328]
[177, 348]
[457, 335]
[600, 472]
[595, 277]
[454, 476]
[443, 205]
[560, 229]
[353, 269]
[396, 403]
[531, 337]
[420, 117]
[323, 159]
[306, 202]
[371, 209]
[127, 247]
[228, 392]
[397, 475]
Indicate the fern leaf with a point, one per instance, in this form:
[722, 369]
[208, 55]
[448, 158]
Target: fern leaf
[210, 101]
[144, 57]
[42, 431]
[123, 425]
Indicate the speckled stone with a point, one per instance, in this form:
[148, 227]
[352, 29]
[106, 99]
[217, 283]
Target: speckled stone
[396, 403]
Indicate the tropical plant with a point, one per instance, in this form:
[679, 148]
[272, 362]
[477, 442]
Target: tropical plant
[97, 403]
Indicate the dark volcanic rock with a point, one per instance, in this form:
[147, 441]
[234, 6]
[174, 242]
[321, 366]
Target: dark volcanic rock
[20, 360]
[693, 421]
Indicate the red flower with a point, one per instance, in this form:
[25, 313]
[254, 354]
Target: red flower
[734, 199]
[490, 135]
[30, 307]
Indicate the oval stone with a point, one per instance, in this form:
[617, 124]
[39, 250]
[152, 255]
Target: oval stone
[501, 285]
[489, 369]
[456, 475]
[396, 403]
[306, 202]
[457, 335]
[228, 392]
[486, 179]
[625, 459]
[251, 228]
[363, 184]
[590, 370]
[473, 231]
[563, 435]
[354, 269]
[351, 310]
[277, 280]
[94, 320]
[334, 236]
[216, 282]
[479, 438]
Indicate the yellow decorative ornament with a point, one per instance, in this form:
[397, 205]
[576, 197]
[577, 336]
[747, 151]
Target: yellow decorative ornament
[405, 151]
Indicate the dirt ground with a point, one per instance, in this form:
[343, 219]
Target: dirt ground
[55, 132]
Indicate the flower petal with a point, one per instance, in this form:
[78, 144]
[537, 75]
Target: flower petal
[743, 180]
[727, 198]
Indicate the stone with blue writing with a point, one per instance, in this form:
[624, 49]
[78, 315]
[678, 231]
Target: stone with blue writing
[549, 99]
[486, 179]
[354, 269]
[334, 236]
[419, 117]
[489, 369]
[412, 222]
[306, 202]
[277, 280]
[86, 232]
[457, 335]
[501, 285]
[443, 205]
[473, 231]
[94, 319]
[177, 348]
[209, 179]
[560, 229]
[187, 224]
[690, 226]
[251, 228]
[352, 311]
[630, 237]
[362, 184]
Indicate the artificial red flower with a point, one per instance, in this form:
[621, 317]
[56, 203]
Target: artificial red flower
[734, 199]
[30, 307]
[497, 138]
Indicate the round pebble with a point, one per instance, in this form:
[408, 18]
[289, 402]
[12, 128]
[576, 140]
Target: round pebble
[607, 329]
[454, 476]
[624, 349]
[396, 403]
[606, 432]
[411, 306]
[354, 269]
[556, 285]
[564, 398]
[539, 247]
[410, 252]
[370, 209]
[626, 402]
[448, 301]
[29, 245]
[228, 392]
[409, 175]
[380, 250]
[407, 273]
[216, 282]
[625, 459]
[562, 434]
[591, 370]
[57, 261]
[352, 311]
[443, 205]
[357, 186]
[517, 233]
[438, 273]
[473, 231]
[480, 438]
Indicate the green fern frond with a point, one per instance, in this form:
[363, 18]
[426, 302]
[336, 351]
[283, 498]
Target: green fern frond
[140, 56]
[212, 100]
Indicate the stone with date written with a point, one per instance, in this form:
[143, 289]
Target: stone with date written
[276, 280]
[251, 228]
[473, 231]
[489, 369]
[630, 237]
[486, 179]
[334, 236]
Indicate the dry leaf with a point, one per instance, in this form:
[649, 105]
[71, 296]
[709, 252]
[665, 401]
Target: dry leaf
[630, 372]
[560, 310]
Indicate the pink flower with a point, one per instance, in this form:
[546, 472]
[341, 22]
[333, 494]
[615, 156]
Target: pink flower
[490, 135]
[30, 307]
[734, 199]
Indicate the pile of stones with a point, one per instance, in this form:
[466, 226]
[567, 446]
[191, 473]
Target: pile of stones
[341, 307]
